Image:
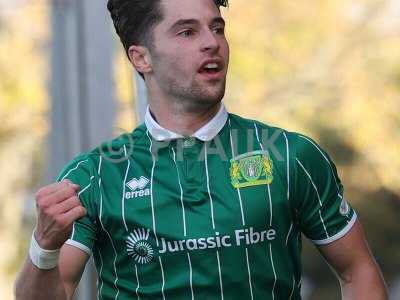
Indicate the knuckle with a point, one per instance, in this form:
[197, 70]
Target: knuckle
[76, 200]
[63, 184]
[38, 194]
[63, 197]
[59, 220]
[42, 204]
[83, 211]
[70, 203]
[69, 190]
[79, 211]
[50, 212]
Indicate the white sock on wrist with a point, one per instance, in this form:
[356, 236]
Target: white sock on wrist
[41, 258]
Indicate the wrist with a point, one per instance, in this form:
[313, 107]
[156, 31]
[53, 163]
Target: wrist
[43, 242]
[42, 258]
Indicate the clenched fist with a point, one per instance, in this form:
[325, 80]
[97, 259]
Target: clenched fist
[58, 206]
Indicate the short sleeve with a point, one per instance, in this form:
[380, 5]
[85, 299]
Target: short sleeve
[323, 213]
[81, 171]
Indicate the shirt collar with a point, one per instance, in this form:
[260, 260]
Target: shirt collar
[205, 133]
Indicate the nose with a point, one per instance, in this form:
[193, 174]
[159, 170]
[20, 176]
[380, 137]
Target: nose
[210, 42]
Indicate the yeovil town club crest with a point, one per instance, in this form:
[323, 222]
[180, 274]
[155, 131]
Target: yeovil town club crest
[138, 246]
[249, 169]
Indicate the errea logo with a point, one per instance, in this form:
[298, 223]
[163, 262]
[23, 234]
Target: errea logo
[138, 188]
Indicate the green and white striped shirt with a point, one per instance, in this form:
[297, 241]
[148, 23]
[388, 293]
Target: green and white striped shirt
[218, 215]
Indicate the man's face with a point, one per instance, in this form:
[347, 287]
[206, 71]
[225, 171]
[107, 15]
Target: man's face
[190, 54]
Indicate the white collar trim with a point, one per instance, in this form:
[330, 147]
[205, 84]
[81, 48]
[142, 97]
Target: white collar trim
[205, 133]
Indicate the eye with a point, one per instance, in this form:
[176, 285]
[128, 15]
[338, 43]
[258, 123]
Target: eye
[186, 33]
[219, 30]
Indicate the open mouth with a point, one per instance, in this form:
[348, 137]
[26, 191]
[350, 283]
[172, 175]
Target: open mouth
[210, 68]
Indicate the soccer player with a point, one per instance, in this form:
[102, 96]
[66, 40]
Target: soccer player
[196, 203]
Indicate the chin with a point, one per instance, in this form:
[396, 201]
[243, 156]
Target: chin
[212, 97]
[198, 95]
[214, 93]
[204, 100]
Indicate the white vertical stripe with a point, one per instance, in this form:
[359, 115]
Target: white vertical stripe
[319, 199]
[291, 293]
[114, 262]
[270, 205]
[220, 277]
[99, 183]
[270, 224]
[287, 165]
[324, 156]
[190, 275]
[163, 279]
[238, 189]
[312, 182]
[73, 231]
[288, 197]
[100, 213]
[108, 235]
[249, 273]
[123, 189]
[151, 189]
[100, 162]
[273, 269]
[323, 224]
[268, 186]
[208, 187]
[181, 190]
[99, 278]
[258, 137]
[241, 210]
[137, 282]
[288, 234]
[73, 169]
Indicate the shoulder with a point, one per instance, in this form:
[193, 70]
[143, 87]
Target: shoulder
[78, 167]
[122, 145]
[298, 143]
[263, 130]
[239, 122]
[305, 148]
[274, 138]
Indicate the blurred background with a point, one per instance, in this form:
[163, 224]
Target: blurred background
[327, 68]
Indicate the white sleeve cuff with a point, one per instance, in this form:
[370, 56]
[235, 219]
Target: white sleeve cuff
[79, 246]
[338, 235]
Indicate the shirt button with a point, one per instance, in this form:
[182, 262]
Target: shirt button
[189, 142]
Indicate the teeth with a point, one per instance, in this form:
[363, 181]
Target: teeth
[211, 66]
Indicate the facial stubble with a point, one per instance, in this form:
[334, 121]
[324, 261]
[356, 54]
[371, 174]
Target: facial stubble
[191, 96]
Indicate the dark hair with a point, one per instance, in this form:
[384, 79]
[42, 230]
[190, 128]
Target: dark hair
[135, 19]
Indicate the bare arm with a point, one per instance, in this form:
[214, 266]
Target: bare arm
[358, 272]
[58, 283]
[33, 283]
[58, 207]
[71, 265]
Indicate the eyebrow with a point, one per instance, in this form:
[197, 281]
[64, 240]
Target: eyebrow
[183, 22]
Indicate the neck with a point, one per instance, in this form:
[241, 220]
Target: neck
[180, 119]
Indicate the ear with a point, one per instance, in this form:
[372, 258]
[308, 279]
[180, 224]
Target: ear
[140, 58]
